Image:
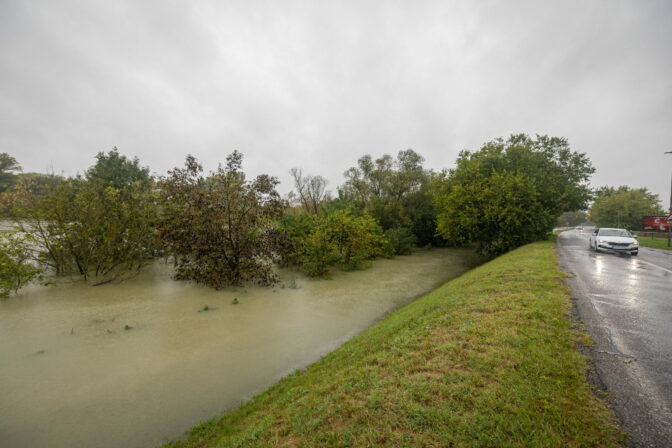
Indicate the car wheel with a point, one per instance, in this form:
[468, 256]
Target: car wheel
[634, 254]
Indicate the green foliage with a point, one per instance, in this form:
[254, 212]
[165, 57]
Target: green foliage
[419, 207]
[291, 230]
[220, 228]
[96, 226]
[318, 251]
[511, 192]
[8, 164]
[396, 192]
[570, 219]
[357, 238]
[341, 237]
[117, 171]
[400, 241]
[624, 207]
[37, 184]
[16, 269]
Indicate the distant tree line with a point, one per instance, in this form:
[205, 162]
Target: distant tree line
[571, 219]
[220, 228]
[624, 207]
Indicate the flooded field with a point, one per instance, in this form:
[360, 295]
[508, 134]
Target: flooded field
[137, 363]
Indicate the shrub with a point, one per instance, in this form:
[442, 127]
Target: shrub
[400, 241]
[16, 270]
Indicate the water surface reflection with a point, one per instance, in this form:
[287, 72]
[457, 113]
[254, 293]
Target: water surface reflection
[133, 363]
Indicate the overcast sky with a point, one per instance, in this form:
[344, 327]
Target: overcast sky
[317, 84]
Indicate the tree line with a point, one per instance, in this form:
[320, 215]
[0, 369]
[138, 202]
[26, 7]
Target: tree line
[220, 228]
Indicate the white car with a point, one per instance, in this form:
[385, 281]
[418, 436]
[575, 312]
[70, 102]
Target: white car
[614, 240]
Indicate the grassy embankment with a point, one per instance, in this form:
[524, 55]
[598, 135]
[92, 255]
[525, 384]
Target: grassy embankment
[656, 243]
[488, 359]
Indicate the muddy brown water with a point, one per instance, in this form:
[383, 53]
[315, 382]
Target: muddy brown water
[135, 364]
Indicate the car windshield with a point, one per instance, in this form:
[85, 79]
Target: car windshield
[614, 232]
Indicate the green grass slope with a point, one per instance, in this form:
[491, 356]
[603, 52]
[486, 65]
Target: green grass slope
[658, 243]
[486, 360]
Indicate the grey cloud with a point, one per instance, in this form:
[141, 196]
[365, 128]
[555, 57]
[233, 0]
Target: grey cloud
[318, 84]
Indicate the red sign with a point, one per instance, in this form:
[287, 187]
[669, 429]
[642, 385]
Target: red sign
[657, 223]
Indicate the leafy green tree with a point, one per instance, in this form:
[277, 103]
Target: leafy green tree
[95, 225]
[357, 238]
[318, 251]
[339, 238]
[290, 231]
[510, 192]
[38, 183]
[16, 269]
[8, 164]
[624, 207]
[35, 208]
[419, 207]
[220, 229]
[396, 192]
[117, 171]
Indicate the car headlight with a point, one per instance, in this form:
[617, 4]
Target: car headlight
[636, 243]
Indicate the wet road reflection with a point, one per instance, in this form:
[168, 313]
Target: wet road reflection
[626, 302]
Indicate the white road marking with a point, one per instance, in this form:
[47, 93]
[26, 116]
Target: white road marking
[655, 265]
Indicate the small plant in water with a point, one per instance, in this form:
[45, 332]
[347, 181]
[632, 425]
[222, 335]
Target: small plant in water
[291, 284]
[127, 327]
[205, 308]
[235, 301]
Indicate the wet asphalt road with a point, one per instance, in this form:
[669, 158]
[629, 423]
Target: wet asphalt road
[626, 304]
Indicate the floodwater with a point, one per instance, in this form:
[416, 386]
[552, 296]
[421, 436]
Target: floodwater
[135, 364]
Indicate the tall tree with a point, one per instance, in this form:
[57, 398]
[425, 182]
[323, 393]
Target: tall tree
[117, 171]
[100, 226]
[624, 207]
[395, 192]
[311, 190]
[8, 165]
[510, 192]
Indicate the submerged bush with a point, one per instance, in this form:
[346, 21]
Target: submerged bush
[219, 229]
[16, 269]
[338, 238]
[400, 241]
[98, 225]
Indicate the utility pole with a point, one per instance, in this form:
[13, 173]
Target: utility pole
[669, 223]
